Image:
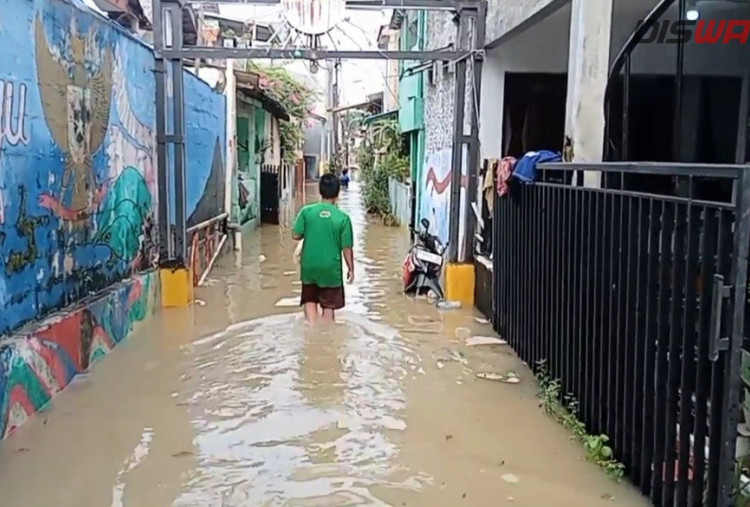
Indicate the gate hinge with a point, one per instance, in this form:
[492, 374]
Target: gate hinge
[717, 342]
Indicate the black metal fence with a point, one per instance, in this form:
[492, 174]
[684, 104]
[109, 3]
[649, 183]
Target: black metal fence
[636, 303]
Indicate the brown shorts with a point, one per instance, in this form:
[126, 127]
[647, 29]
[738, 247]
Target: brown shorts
[330, 298]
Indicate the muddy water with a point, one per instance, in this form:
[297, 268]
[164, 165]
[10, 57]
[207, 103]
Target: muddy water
[238, 403]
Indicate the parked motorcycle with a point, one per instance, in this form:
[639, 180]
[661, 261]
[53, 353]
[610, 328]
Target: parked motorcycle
[424, 263]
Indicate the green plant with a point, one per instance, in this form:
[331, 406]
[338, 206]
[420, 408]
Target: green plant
[380, 158]
[295, 97]
[564, 410]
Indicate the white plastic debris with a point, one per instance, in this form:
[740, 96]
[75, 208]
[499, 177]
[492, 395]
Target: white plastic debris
[449, 305]
[262, 258]
[200, 302]
[511, 478]
[508, 378]
[474, 341]
[287, 302]
[480, 320]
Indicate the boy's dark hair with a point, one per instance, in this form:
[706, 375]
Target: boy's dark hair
[345, 171]
[329, 186]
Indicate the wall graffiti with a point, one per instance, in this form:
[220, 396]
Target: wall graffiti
[35, 367]
[205, 130]
[435, 201]
[78, 189]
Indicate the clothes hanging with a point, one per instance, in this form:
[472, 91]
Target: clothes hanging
[504, 172]
[525, 169]
[488, 188]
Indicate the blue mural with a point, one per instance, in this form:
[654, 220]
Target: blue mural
[77, 156]
[205, 130]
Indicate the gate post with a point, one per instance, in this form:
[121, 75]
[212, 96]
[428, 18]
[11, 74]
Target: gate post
[174, 274]
[732, 383]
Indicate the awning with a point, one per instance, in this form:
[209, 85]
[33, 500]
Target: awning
[374, 118]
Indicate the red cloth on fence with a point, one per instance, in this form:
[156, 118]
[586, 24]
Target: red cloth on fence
[504, 172]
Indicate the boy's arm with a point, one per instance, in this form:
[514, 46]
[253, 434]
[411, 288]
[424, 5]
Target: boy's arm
[349, 259]
[347, 242]
[298, 232]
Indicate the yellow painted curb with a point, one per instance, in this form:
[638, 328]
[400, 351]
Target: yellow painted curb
[176, 287]
[459, 283]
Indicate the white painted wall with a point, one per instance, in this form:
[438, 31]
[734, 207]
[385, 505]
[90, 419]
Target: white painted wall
[588, 71]
[544, 47]
[491, 107]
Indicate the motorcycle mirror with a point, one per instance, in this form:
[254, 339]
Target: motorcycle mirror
[425, 223]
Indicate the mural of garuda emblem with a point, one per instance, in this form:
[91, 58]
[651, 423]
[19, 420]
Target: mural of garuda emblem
[76, 103]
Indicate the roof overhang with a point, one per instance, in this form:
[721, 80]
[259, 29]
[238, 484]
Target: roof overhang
[248, 84]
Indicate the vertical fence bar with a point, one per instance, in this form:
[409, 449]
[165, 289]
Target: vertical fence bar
[716, 412]
[707, 269]
[604, 290]
[650, 341]
[559, 267]
[639, 338]
[674, 352]
[537, 312]
[567, 294]
[627, 360]
[662, 350]
[687, 377]
[577, 291]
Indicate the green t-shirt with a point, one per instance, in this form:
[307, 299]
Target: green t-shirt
[327, 231]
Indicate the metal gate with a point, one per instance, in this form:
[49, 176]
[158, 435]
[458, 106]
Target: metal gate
[270, 194]
[636, 303]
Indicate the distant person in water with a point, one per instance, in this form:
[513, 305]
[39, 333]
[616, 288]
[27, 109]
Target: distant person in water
[327, 235]
[344, 179]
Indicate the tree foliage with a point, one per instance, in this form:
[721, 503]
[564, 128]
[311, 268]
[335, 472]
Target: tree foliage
[380, 157]
[295, 97]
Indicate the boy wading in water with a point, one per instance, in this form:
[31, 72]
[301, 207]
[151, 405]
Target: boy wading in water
[327, 232]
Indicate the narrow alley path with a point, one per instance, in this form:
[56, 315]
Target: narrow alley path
[236, 403]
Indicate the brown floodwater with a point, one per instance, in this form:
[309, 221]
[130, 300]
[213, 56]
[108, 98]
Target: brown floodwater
[238, 403]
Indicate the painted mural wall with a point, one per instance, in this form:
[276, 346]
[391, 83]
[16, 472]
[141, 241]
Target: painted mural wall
[34, 367]
[205, 133]
[435, 200]
[77, 157]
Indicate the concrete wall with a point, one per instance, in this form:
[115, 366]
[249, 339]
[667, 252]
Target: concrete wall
[439, 114]
[77, 157]
[38, 363]
[506, 15]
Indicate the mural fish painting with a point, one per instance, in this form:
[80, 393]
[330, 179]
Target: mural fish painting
[124, 214]
[76, 100]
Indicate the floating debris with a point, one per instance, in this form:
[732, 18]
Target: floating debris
[474, 341]
[289, 273]
[449, 305]
[200, 302]
[182, 454]
[508, 378]
[262, 258]
[511, 478]
[480, 320]
[448, 355]
[288, 302]
[440, 365]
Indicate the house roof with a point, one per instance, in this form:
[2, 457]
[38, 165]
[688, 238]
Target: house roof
[248, 84]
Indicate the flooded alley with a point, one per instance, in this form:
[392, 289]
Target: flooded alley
[235, 402]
